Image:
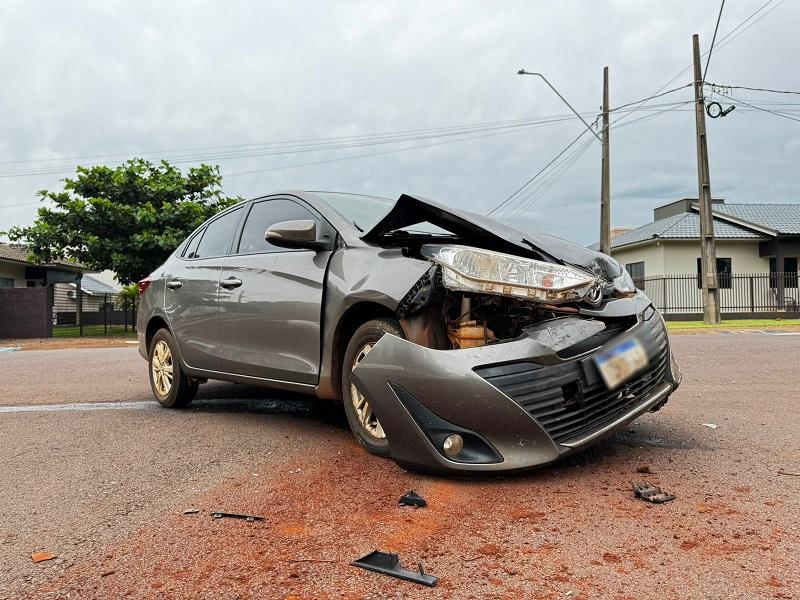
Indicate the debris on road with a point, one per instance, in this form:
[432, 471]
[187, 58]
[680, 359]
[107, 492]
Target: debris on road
[224, 515]
[9, 349]
[107, 573]
[651, 493]
[710, 425]
[645, 469]
[782, 472]
[38, 557]
[412, 498]
[191, 511]
[388, 563]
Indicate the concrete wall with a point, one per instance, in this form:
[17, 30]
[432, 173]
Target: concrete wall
[680, 257]
[25, 312]
[13, 271]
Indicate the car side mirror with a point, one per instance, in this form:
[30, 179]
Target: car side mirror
[294, 234]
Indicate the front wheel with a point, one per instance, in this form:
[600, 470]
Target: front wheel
[360, 416]
[169, 383]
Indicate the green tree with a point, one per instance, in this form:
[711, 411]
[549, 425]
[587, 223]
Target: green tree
[128, 218]
[127, 295]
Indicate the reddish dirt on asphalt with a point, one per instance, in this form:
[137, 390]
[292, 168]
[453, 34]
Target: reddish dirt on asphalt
[119, 341]
[569, 531]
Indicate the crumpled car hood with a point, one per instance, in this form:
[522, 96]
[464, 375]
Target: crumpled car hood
[491, 234]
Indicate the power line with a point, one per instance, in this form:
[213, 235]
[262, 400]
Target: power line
[753, 89]
[542, 170]
[722, 42]
[554, 177]
[298, 142]
[785, 116]
[730, 37]
[581, 149]
[713, 39]
[297, 150]
[643, 100]
[546, 183]
[370, 154]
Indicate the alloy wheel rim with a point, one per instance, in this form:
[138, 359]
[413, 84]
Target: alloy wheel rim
[361, 405]
[162, 368]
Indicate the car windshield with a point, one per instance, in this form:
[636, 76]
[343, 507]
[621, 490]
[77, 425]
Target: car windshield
[364, 212]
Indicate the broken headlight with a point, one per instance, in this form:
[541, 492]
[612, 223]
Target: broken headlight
[484, 271]
[623, 283]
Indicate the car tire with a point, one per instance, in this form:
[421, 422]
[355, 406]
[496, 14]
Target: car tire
[170, 385]
[362, 420]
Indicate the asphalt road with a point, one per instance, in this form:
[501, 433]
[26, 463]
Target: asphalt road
[96, 473]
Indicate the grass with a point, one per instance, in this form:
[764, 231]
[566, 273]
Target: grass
[92, 331]
[734, 324]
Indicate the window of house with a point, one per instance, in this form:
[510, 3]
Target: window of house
[216, 240]
[265, 214]
[636, 271]
[724, 273]
[6, 282]
[789, 272]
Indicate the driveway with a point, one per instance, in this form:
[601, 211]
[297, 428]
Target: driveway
[103, 481]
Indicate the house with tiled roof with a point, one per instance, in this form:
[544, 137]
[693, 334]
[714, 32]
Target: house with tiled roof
[16, 270]
[750, 238]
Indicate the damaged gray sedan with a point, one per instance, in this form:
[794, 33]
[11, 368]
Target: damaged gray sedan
[456, 343]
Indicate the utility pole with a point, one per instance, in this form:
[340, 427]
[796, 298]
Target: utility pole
[708, 253]
[605, 185]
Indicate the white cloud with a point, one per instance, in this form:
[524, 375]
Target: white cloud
[99, 77]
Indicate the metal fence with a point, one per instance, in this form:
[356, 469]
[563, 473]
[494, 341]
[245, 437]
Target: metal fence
[738, 293]
[100, 314]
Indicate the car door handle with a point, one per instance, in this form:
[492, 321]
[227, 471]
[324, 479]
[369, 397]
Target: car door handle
[230, 283]
[174, 285]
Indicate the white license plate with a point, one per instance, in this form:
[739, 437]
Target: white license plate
[620, 363]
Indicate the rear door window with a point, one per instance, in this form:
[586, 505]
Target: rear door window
[191, 248]
[216, 240]
[262, 216]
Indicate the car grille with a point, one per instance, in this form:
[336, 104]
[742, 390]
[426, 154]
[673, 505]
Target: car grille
[560, 399]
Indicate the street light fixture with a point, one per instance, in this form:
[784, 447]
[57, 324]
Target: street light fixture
[564, 100]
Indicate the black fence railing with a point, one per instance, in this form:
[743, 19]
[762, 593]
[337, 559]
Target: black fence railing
[100, 314]
[738, 293]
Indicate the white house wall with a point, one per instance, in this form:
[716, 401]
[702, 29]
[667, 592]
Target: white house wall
[651, 254]
[13, 271]
[671, 257]
[681, 257]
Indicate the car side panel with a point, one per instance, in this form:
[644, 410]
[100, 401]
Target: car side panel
[192, 310]
[270, 324]
[151, 304]
[361, 274]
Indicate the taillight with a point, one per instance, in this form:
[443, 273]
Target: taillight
[144, 284]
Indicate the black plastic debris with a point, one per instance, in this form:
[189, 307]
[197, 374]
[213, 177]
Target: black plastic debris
[388, 563]
[651, 493]
[224, 515]
[412, 498]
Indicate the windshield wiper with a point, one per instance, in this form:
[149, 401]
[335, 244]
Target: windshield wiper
[357, 226]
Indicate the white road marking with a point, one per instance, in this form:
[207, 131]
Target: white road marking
[146, 405]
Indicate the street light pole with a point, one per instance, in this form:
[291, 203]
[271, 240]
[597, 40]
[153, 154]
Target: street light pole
[564, 100]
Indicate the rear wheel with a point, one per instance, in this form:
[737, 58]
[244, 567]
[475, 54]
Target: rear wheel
[169, 383]
[360, 416]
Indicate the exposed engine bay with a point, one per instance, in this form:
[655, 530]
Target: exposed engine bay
[439, 312]
[487, 284]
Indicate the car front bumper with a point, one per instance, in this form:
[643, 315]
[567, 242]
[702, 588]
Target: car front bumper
[517, 404]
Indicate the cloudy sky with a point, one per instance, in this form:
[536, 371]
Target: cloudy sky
[232, 82]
